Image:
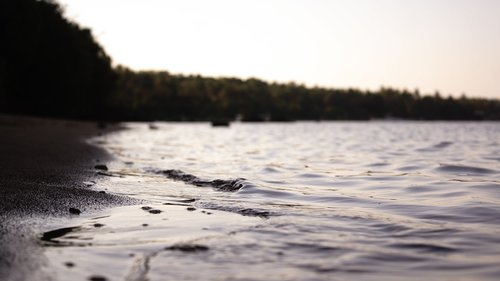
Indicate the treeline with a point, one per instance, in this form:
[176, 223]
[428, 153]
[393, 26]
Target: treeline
[147, 95]
[50, 66]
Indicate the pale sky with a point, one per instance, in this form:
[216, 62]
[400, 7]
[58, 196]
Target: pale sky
[448, 45]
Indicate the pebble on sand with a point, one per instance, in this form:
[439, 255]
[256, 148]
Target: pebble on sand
[188, 248]
[101, 167]
[97, 278]
[74, 211]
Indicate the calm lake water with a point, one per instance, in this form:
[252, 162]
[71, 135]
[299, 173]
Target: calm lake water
[294, 201]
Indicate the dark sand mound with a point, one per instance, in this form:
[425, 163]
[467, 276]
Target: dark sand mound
[43, 165]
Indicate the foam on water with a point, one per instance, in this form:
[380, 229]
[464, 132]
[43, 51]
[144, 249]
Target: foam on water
[295, 201]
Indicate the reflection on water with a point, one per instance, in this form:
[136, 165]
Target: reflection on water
[298, 201]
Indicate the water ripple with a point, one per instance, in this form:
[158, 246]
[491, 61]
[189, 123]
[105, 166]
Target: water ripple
[230, 185]
[346, 200]
[459, 169]
[424, 247]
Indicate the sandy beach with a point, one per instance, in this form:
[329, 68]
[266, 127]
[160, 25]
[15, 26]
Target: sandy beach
[44, 166]
[59, 222]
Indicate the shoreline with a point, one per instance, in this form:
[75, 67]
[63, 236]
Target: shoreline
[43, 167]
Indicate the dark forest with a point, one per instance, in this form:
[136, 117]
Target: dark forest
[50, 66]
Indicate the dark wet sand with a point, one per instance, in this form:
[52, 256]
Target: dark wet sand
[43, 164]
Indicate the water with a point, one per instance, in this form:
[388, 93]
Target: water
[294, 201]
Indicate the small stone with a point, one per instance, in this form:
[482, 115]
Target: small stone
[155, 211]
[89, 183]
[101, 167]
[102, 191]
[146, 208]
[191, 209]
[97, 278]
[74, 211]
[188, 248]
[98, 225]
[69, 264]
[145, 224]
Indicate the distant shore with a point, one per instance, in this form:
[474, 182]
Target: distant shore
[43, 166]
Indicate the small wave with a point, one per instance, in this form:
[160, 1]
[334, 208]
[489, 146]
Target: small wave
[424, 247]
[245, 211]
[230, 185]
[443, 144]
[448, 168]
[435, 147]
[402, 231]
[420, 189]
[393, 258]
[310, 175]
[409, 168]
[313, 247]
[270, 170]
[487, 186]
[391, 228]
[433, 233]
[492, 158]
[489, 213]
[455, 267]
[254, 213]
[329, 270]
[378, 164]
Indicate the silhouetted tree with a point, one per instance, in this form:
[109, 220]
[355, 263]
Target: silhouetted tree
[48, 65]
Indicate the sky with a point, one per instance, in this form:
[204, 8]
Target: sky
[450, 46]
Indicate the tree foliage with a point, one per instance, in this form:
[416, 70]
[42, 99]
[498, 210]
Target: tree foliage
[149, 95]
[48, 65]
